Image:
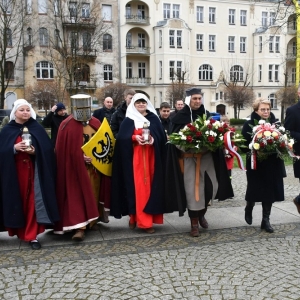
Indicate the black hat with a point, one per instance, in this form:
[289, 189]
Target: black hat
[193, 91]
[59, 106]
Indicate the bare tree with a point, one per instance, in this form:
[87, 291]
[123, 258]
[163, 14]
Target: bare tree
[13, 18]
[77, 38]
[44, 94]
[114, 90]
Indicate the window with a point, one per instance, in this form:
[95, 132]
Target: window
[231, 16]
[167, 11]
[56, 7]
[271, 44]
[160, 41]
[273, 73]
[56, 38]
[179, 39]
[258, 95]
[259, 73]
[212, 15]
[264, 19]
[142, 69]
[86, 41]
[107, 72]
[260, 44]
[6, 6]
[107, 42]
[9, 70]
[81, 72]
[236, 73]
[273, 100]
[217, 96]
[160, 69]
[85, 10]
[172, 38]
[294, 48]
[243, 44]
[199, 42]
[277, 44]
[128, 11]
[272, 18]
[44, 70]
[73, 9]
[9, 37]
[243, 18]
[42, 6]
[141, 40]
[128, 69]
[176, 10]
[128, 40]
[205, 72]
[179, 69]
[43, 34]
[28, 7]
[141, 12]
[221, 95]
[212, 43]
[74, 40]
[172, 69]
[29, 37]
[293, 75]
[231, 43]
[106, 12]
[199, 14]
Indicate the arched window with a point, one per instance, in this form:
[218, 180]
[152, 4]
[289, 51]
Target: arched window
[107, 72]
[29, 37]
[9, 70]
[236, 73]
[9, 37]
[86, 41]
[107, 42]
[128, 40]
[205, 72]
[43, 33]
[44, 70]
[273, 99]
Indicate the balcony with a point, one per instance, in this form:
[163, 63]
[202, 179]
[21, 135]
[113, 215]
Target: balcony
[291, 31]
[78, 22]
[291, 56]
[136, 81]
[83, 52]
[84, 84]
[137, 20]
[137, 50]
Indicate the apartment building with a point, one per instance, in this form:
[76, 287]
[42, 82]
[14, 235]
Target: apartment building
[209, 41]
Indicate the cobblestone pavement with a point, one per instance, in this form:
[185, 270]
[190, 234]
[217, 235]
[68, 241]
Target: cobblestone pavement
[233, 263]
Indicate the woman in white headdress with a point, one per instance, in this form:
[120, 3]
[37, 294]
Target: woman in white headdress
[138, 167]
[27, 176]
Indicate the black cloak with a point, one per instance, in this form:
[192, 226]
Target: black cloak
[123, 190]
[11, 203]
[174, 178]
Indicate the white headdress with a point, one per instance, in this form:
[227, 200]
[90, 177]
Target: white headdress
[19, 103]
[133, 114]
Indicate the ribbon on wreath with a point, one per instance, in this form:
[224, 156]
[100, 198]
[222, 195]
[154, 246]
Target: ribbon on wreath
[228, 146]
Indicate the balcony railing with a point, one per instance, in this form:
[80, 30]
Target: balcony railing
[137, 19]
[86, 52]
[138, 81]
[291, 31]
[138, 50]
[291, 56]
[79, 22]
[85, 84]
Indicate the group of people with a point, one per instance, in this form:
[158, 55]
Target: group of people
[51, 183]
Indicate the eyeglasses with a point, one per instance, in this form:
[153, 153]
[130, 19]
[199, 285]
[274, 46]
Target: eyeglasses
[265, 109]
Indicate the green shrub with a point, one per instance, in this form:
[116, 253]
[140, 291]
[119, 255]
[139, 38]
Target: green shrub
[237, 121]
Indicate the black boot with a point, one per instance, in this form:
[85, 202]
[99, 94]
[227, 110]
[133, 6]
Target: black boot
[265, 223]
[248, 212]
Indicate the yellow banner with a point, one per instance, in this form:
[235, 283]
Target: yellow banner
[101, 148]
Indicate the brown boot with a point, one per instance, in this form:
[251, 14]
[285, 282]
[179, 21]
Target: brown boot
[103, 214]
[194, 227]
[78, 236]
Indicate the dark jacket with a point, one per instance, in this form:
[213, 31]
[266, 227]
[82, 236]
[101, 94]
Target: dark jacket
[265, 184]
[167, 124]
[292, 123]
[104, 112]
[53, 121]
[117, 118]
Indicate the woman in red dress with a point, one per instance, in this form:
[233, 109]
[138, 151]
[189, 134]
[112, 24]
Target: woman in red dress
[137, 180]
[28, 206]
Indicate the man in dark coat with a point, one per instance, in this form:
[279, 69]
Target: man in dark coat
[292, 123]
[164, 116]
[119, 115]
[214, 180]
[178, 106]
[106, 111]
[54, 118]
